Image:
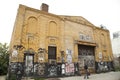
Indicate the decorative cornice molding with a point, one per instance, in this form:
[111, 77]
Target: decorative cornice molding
[76, 19]
[40, 11]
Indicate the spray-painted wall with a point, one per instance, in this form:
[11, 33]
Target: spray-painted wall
[35, 31]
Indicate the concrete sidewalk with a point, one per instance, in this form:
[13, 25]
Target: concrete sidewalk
[101, 76]
[2, 77]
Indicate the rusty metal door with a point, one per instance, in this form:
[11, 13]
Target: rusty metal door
[86, 54]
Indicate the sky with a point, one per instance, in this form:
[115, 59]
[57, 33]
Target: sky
[105, 12]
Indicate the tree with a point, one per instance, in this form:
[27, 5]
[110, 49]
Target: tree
[4, 58]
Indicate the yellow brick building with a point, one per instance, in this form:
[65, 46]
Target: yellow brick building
[40, 38]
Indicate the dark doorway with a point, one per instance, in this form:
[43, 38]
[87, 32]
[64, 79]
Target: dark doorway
[29, 64]
[52, 68]
[51, 52]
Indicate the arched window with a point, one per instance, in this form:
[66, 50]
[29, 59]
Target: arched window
[31, 31]
[32, 25]
[52, 28]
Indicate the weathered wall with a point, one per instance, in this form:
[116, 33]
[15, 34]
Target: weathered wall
[103, 47]
[36, 29]
[72, 33]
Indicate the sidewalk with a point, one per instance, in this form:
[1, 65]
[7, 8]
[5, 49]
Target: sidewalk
[27, 78]
[2, 77]
[101, 76]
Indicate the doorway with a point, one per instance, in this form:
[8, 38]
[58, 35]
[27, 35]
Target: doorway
[29, 64]
[51, 52]
[86, 54]
[52, 68]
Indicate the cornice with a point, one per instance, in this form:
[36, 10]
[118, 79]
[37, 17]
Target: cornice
[63, 17]
[85, 43]
[40, 11]
[102, 29]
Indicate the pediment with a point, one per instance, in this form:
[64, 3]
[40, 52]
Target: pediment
[77, 19]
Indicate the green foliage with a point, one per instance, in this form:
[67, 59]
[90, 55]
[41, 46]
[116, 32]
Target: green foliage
[12, 77]
[117, 68]
[4, 58]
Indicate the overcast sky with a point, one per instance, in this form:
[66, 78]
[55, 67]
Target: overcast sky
[106, 12]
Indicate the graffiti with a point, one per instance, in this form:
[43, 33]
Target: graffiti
[29, 64]
[76, 68]
[86, 55]
[19, 71]
[13, 67]
[41, 69]
[59, 69]
[89, 60]
[69, 55]
[52, 70]
[69, 69]
[103, 66]
[35, 68]
[63, 69]
[41, 54]
[14, 53]
[62, 56]
[16, 67]
[41, 57]
[85, 52]
[100, 55]
[45, 69]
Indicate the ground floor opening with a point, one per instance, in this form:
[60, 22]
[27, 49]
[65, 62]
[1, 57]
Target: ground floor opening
[86, 55]
[52, 68]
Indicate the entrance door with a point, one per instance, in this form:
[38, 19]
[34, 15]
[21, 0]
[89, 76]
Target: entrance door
[29, 65]
[52, 68]
[86, 55]
[51, 52]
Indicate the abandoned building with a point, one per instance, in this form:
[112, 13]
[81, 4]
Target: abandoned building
[46, 44]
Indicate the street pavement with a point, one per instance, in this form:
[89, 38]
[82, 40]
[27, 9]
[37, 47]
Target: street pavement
[101, 76]
[2, 77]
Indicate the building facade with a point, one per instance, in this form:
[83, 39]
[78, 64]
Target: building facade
[46, 44]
